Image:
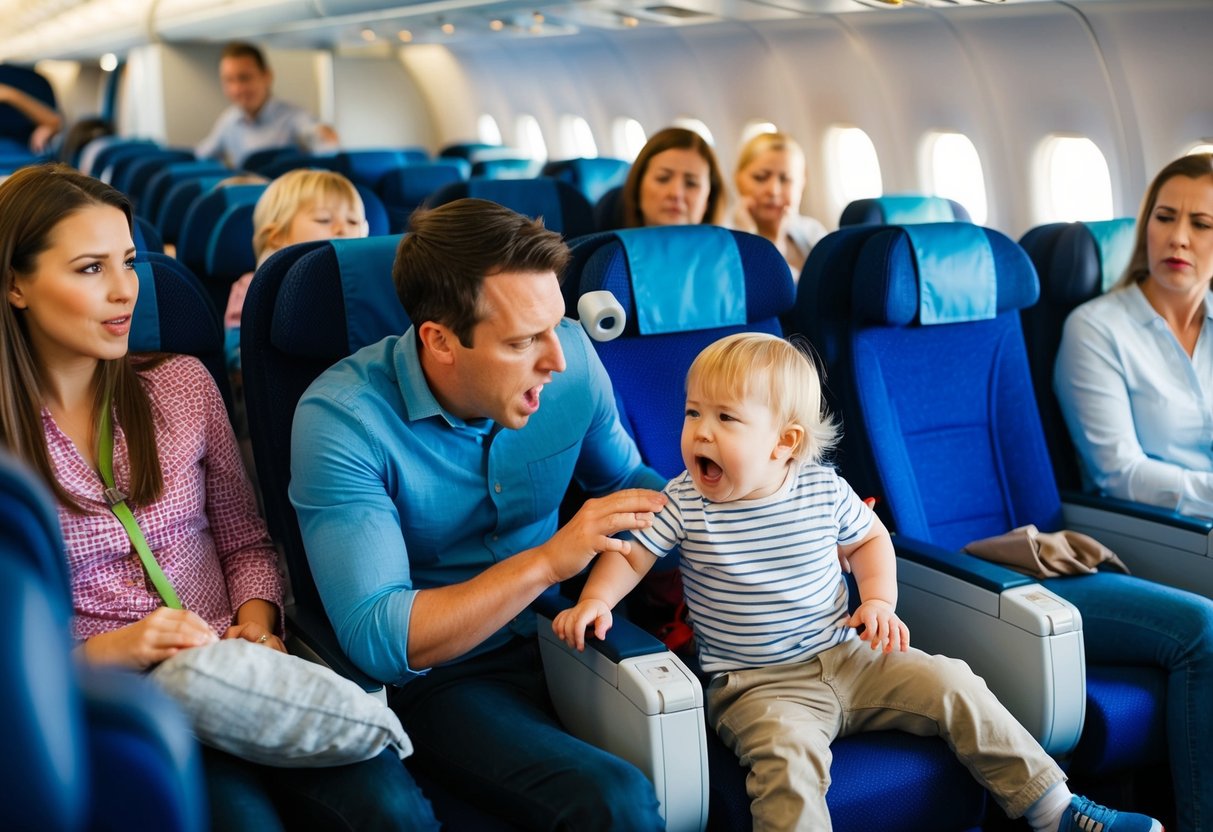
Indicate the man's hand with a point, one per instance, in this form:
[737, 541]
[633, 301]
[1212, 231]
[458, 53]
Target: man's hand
[590, 530]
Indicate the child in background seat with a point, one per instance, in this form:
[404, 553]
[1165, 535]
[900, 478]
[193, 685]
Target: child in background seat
[760, 523]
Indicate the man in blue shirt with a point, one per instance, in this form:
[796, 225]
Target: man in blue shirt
[257, 121]
[427, 477]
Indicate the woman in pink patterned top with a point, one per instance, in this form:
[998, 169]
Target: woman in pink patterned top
[67, 265]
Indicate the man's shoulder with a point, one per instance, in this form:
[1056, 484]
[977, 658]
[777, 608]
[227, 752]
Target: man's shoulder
[357, 379]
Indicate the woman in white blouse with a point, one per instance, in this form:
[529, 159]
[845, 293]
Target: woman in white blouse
[1134, 372]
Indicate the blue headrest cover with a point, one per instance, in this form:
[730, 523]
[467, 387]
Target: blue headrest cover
[241, 194]
[907, 209]
[372, 308]
[711, 294]
[940, 273]
[145, 320]
[1114, 242]
[535, 198]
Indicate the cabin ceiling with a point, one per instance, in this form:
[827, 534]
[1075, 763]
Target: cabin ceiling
[37, 29]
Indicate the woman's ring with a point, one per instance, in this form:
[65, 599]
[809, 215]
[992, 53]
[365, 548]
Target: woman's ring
[264, 638]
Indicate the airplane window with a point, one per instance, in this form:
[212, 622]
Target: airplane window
[578, 138]
[487, 129]
[629, 138]
[1073, 182]
[696, 125]
[1201, 147]
[530, 137]
[852, 167]
[756, 127]
[952, 169]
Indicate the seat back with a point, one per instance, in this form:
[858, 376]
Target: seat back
[162, 180]
[14, 124]
[608, 210]
[175, 207]
[308, 307]
[903, 209]
[593, 177]
[146, 237]
[919, 329]
[403, 189]
[1075, 262]
[138, 173]
[561, 206]
[466, 150]
[202, 218]
[503, 167]
[368, 167]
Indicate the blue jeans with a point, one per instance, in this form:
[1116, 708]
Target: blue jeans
[376, 794]
[1130, 621]
[486, 729]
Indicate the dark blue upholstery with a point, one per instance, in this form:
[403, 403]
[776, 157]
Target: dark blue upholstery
[258, 160]
[175, 207]
[117, 149]
[562, 206]
[293, 161]
[15, 125]
[147, 239]
[229, 252]
[922, 784]
[404, 189]
[368, 167]
[593, 177]
[377, 221]
[608, 210]
[890, 209]
[86, 747]
[162, 180]
[465, 150]
[202, 218]
[941, 425]
[138, 173]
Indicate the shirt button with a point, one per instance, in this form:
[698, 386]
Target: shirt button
[497, 487]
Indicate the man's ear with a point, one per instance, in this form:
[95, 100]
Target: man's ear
[790, 439]
[437, 341]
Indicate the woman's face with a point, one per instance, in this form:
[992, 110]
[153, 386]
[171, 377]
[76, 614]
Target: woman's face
[1179, 235]
[79, 296]
[675, 188]
[772, 183]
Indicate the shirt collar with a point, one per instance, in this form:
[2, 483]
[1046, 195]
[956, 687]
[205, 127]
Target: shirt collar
[1143, 313]
[419, 400]
[263, 115]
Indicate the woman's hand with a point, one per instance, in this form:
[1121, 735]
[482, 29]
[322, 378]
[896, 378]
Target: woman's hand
[257, 634]
[256, 621]
[162, 634]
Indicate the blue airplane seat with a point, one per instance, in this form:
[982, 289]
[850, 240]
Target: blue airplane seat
[137, 173]
[368, 167]
[561, 206]
[405, 188]
[176, 205]
[593, 177]
[918, 327]
[291, 161]
[903, 209]
[175, 314]
[309, 306]
[503, 167]
[134, 157]
[162, 180]
[466, 150]
[921, 776]
[608, 210]
[203, 216]
[1076, 262]
[15, 126]
[95, 748]
[117, 148]
[377, 220]
[229, 252]
[147, 239]
[259, 159]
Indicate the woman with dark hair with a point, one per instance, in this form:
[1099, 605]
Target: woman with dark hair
[674, 181]
[74, 404]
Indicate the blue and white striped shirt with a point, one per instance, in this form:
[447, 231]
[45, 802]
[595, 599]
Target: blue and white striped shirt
[762, 579]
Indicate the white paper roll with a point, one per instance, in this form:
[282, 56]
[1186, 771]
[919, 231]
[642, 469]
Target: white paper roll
[601, 315]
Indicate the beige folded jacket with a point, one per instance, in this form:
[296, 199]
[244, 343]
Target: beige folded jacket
[1046, 554]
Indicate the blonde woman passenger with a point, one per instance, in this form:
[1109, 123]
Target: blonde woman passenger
[759, 521]
[300, 206]
[770, 180]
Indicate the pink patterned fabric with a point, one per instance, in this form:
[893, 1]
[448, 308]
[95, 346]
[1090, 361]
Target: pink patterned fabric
[204, 530]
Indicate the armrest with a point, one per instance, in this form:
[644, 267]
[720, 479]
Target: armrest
[1025, 641]
[314, 631]
[1154, 543]
[628, 695]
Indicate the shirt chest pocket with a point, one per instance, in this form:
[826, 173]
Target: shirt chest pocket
[549, 479]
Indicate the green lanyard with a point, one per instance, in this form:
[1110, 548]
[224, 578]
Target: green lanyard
[117, 503]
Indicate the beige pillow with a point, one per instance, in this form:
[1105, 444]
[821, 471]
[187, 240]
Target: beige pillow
[262, 705]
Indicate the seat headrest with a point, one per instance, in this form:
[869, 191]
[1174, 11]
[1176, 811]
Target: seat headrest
[902, 209]
[1089, 258]
[353, 274]
[682, 278]
[229, 251]
[412, 184]
[940, 273]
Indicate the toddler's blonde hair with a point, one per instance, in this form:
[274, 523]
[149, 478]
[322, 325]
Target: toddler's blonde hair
[753, 365]
[291, 193]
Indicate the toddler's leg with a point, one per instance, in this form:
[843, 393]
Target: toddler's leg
[780, 722]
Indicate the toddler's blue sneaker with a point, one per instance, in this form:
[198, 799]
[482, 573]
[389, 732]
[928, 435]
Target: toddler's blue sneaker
[1087, 816]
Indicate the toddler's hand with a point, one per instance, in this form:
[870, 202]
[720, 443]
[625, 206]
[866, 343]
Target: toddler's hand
[569, 625]
[881, 626]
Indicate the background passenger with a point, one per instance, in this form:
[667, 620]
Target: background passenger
[46, 122]
[70, 289]
[790, 671]
[674, 181]
[1134, 372]
[770, 179]
[427, 471]
[256, 120]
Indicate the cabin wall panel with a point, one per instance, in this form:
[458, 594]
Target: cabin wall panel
[377, 105]
[446, 88]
